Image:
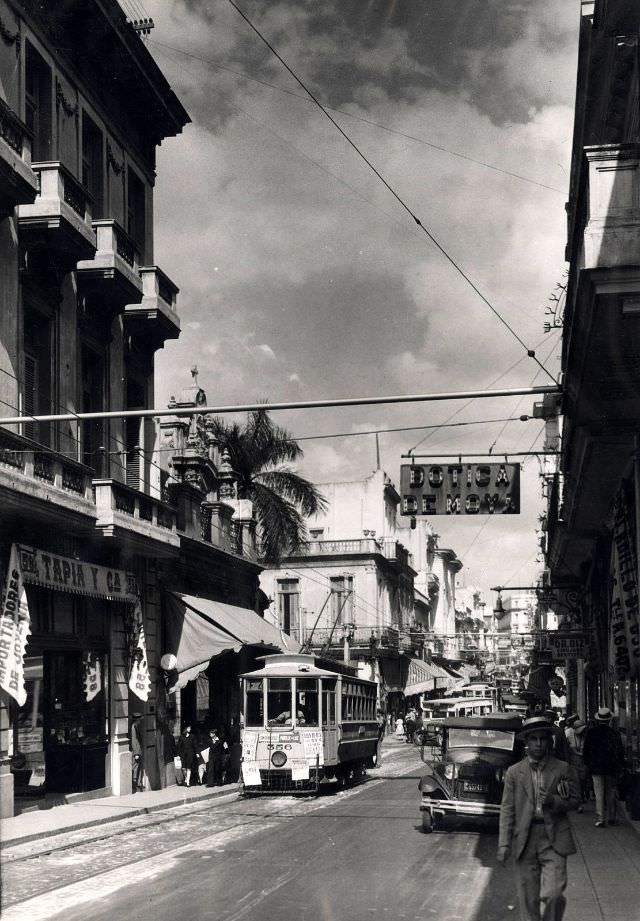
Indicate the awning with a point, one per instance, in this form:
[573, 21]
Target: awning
[198, 629]
[422, 677]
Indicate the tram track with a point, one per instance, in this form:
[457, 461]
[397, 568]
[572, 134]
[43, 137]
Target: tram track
[99, 861]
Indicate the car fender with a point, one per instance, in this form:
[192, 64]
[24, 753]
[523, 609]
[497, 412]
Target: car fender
[428, 785]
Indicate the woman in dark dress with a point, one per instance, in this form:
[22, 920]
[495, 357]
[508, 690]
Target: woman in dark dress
[188, 752]
[218, 759]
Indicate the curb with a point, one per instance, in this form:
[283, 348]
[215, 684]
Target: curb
[127, 813]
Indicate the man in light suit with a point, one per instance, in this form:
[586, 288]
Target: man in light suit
[538, 793]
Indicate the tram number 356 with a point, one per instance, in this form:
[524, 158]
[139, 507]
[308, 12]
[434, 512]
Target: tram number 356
[286, 747]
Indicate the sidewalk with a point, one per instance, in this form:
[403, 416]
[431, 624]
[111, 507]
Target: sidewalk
[43, 823]
[604, 875]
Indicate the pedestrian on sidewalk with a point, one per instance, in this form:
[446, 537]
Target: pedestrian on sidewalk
[575, 735]
[382, 725]
[604, 757]
[218, 760]
[137, 753]
[534, 828]
[399, 728]
[188, 753]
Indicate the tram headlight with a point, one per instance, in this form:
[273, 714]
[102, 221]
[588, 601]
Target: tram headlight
[278, 759]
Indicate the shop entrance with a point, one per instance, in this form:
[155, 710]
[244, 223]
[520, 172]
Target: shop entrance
[60, 736]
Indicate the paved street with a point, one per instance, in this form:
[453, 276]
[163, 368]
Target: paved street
[356, 854]
[346, 856]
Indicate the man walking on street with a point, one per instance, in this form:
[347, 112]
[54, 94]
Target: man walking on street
[603, 754]
[538, 793]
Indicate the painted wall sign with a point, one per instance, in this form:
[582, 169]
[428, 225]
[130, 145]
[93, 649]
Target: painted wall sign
[460, 489]
[39, 567]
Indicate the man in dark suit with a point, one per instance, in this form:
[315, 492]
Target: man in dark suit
[538, 793]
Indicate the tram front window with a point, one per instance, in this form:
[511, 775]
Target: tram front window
[254, 713]
[279, 701]
[307, 702]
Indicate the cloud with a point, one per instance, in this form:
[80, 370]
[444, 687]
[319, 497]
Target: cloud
[320, 268]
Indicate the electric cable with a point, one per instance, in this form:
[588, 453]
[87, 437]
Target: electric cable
[530, 352]
[360, 118]
[410, 428]
[469, 402]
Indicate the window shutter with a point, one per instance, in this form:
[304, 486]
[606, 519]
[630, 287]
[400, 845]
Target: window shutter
[30, 394]
[133, 456]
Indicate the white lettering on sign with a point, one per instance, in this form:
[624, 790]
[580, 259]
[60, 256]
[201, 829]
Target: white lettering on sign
[460, 489]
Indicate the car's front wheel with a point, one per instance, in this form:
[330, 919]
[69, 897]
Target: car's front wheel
[427, 822]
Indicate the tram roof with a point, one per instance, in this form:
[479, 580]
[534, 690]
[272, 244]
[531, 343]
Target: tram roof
[506, 722]
[293, 665]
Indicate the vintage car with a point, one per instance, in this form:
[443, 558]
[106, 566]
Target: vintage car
[466, 759]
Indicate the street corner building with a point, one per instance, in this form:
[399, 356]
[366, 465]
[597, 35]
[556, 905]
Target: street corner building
[592, 528]
[104, 521]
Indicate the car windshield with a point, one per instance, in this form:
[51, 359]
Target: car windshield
[487, 738]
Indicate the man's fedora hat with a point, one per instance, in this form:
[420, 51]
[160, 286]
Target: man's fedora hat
[537, 724]
[604, 714]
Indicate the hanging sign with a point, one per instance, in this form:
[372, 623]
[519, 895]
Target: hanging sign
[139, 679]
[50, 570]
[567, 645]
[14, 631]
[624, 630]
[460, 489]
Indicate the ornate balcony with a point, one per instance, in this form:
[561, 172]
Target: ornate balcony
[134, 519]
[113, 274]
[155, 317]
[18, 182]
[391, 549]
[60, 216]
[43, 484]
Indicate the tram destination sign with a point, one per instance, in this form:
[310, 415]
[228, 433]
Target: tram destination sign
[460, 489]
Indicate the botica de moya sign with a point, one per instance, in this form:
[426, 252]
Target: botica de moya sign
[460, 489]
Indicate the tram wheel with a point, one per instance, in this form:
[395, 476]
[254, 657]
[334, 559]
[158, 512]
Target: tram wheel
[427, 822]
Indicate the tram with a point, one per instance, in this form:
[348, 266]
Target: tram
[303, 723]
[444, 707]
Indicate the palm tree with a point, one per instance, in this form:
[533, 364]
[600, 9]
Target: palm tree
[282, 499]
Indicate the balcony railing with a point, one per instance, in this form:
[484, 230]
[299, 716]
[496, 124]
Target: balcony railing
[156, 315]
[388, 547]
[44, 474]
[18, 182]
[123, 510]
[63, 208]
[362, 637]
[116, 262]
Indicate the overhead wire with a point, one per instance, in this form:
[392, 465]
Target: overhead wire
[530, 352]
[469, 402]
[360, 118]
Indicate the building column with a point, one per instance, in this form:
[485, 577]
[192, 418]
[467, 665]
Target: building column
[120, 759]
[6, 777]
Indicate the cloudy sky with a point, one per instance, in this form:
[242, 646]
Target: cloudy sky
[302, 277]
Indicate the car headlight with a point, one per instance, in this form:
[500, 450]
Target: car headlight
[278, 759]
[450, 771]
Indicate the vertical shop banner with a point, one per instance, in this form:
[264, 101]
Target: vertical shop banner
[625, 605]
[92, 667]
[14, 631]
[139, 679]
